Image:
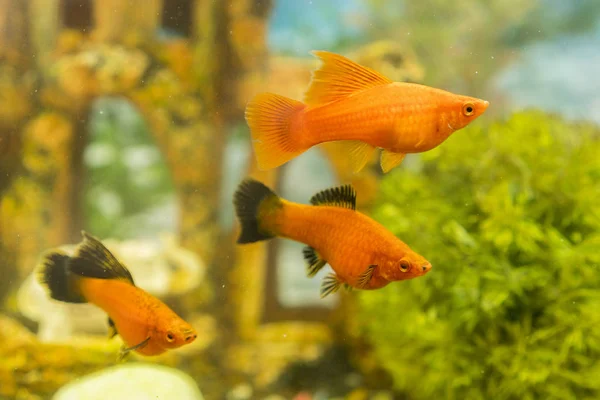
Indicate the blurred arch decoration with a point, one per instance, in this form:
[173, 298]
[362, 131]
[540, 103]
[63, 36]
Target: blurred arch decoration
[188, 83]
[184, 83]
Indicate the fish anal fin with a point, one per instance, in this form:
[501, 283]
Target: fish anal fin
[339, 77]
[93, 260]
[124, 352]
[313, 260]
[389, 160]
[112, 329]
[359, 153]
[340, 196]
[330, 284]
[365, 277]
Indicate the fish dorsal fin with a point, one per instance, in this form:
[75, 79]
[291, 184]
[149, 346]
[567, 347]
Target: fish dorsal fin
[93, 260]
[390, 160]
[339, 77]
[341, 196]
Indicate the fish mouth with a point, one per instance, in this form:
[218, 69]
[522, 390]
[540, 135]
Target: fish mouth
[484, 105]
[189, 334]
[425, 268]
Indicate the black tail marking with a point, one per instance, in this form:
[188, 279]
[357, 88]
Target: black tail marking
[247, 200]
[54, 273]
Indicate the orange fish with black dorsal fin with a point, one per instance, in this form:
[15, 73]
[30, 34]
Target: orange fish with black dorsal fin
[94, 275]
[348, 102]
[363, 254]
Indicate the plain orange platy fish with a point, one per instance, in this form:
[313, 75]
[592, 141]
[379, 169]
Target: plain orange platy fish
[348, 102]
[363, 254]
[94, 275]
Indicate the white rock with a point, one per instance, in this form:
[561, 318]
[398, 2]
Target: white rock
[132, 381]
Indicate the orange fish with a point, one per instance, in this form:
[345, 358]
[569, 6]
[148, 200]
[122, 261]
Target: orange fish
[94, 275]
[363, 254]
[348, 102]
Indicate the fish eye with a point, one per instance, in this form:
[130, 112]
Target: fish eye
[170, 337]
[404, 265]
[468, 109]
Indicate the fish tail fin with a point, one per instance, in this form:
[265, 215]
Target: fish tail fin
[252, 200]
[269, 116]
[54, 273]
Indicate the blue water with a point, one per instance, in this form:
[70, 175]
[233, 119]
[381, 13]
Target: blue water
[559, 75]
[299, 26]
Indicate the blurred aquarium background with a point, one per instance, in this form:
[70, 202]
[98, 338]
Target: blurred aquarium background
[125, 118]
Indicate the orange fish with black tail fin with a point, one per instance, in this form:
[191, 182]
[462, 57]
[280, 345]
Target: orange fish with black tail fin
[94, 275]
[351, 103]
[363, 254]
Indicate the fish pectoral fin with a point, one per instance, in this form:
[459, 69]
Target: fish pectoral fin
[359, 153]
[314, 262]
[122, 356]
[331, 284]
[338, 77]
[112, 329]
[390, 160]
[366, 276]
[126, 350]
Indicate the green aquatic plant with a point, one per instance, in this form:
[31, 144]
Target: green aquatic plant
[509, 217]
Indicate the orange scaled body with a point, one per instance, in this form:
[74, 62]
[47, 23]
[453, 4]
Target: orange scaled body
[137, 315]
[399, 117]
[349, 241]
[351, 103]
